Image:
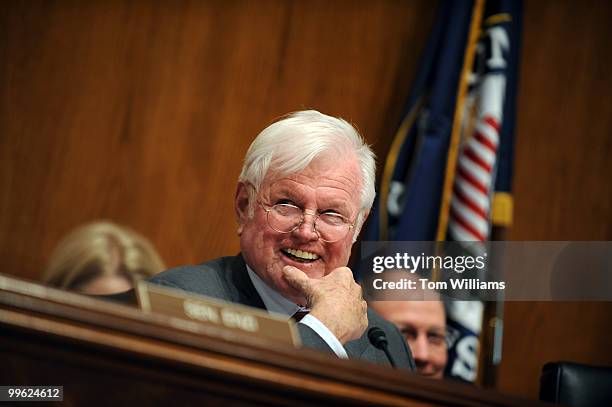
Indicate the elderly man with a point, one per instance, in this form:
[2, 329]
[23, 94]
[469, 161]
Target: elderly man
[305, 190]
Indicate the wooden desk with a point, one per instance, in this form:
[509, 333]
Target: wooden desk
[109, 354]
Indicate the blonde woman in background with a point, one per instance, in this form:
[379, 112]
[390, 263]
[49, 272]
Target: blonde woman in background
[102, 258]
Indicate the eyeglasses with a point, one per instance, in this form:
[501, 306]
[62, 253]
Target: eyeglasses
[436, 340]
[285, 218]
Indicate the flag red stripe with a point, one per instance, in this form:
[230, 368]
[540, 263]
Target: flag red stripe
[471, 154]
[492, 122]
[457, 218]
[472, 181]
[485, 141]
[468, 202]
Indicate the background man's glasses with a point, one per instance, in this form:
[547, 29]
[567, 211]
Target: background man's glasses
[436, 340]
[285, 218]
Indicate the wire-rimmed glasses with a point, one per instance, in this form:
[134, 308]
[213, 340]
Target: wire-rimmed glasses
[285, 218]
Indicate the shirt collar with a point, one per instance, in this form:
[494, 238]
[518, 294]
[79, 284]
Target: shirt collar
[272, 299]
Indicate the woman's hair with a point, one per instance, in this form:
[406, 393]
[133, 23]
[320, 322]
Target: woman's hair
[101, 249]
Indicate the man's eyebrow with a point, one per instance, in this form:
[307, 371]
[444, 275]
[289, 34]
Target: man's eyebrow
[324, 204]
[338, 202]
[406, 327]
[285, 194]
[284, 191]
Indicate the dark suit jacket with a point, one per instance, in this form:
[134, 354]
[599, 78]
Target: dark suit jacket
[227, 278]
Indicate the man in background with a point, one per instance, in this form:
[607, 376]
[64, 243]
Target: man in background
[423, 324]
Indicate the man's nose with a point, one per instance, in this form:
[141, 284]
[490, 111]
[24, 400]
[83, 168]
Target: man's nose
[420, 348]
[306, 231]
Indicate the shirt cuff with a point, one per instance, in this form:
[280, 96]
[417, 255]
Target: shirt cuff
[313, 323]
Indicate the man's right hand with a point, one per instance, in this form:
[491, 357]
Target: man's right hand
[335, 300]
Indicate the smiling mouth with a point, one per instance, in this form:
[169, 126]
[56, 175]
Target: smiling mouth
[300, 256]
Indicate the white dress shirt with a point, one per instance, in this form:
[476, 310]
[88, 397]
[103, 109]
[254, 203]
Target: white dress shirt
[275, 302]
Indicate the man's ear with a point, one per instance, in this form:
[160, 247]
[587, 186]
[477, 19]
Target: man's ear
[241, 205]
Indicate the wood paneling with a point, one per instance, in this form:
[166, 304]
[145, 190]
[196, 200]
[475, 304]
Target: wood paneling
[564, 125]
[562, 184]
[141, 111]
[539, 332]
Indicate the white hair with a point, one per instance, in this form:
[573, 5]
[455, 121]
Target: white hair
[293, 142]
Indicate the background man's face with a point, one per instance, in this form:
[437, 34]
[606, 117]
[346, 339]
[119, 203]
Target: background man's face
[423, 324]
[325, 185]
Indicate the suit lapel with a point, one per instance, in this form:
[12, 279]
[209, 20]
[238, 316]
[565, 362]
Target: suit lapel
[238, 278]
[355, 348]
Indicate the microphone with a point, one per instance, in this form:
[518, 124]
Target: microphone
[378, 338]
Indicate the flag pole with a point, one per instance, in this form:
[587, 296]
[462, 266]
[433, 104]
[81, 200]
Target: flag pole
[398, 141]
[453, 147]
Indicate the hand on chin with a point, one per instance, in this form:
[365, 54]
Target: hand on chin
[291, 293]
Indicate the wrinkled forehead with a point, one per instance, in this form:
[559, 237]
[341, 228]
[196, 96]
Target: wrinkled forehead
[327, 178]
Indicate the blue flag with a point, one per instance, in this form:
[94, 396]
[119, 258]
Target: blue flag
[454, 147]
[410, 195]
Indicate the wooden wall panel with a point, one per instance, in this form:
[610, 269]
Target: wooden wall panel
[539, 332]
[141, 111]
[564, 126]
[562, 184]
